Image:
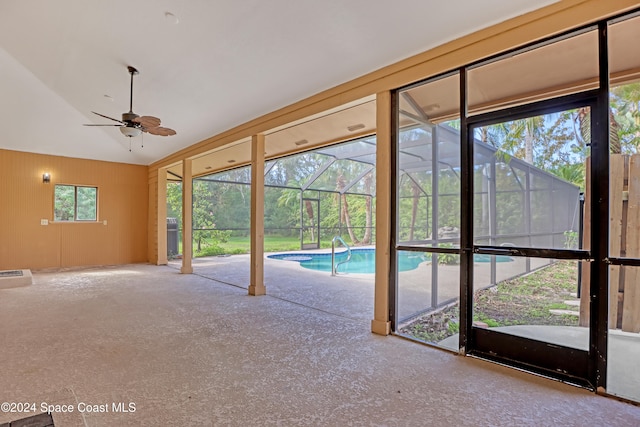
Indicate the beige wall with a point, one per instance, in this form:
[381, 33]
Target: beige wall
[24, 200]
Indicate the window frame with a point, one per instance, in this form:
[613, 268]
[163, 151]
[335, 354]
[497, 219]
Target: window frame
[75, 218]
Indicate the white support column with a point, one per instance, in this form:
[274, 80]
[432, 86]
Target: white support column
[187, 219]
[381, 323]
[161, 218]
[256, 287]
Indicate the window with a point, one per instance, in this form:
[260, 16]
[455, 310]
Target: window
[75, 203]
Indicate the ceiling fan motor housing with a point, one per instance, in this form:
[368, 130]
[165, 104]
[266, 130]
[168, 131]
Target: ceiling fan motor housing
[128, 117]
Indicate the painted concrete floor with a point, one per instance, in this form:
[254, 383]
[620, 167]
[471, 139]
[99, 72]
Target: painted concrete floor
[186, 350]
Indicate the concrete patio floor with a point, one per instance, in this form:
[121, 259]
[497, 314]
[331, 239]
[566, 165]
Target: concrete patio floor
[346, 295]
[189, 350]
[623, 374]
[351, 296]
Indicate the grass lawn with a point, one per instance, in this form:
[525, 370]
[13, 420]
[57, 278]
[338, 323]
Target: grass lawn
[525, 300]
[242, 245]
[271, 244]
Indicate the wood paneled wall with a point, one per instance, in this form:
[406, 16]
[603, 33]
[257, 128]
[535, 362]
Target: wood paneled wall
[152, 219]
[123, 201]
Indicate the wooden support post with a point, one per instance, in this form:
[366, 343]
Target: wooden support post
[256, 287]
[187, 219]
[161, 217]
[381, 323]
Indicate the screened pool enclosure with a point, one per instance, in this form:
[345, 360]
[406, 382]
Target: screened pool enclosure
[515, 205]
[316, 195]
[312, 196]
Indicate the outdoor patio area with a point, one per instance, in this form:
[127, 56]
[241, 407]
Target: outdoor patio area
[350, 296]
[188, 350]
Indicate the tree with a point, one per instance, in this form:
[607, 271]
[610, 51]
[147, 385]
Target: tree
[174, 201]
[64, 204]
[202, 213]
[368, 211]
[344, 212]
[312, 226]
[415, 193]
[519, 138]
[86, 199]
[204, 227]
[625, 113]
[546, 141]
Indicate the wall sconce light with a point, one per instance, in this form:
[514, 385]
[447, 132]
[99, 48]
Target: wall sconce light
[46, 177]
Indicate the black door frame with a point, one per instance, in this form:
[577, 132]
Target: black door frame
[562, 362]
[594, 375]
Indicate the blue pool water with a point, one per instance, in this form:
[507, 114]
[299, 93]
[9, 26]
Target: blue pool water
[363, 260]
[487, 258]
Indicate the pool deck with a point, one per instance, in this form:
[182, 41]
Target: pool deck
[345, 295]
[350, 294]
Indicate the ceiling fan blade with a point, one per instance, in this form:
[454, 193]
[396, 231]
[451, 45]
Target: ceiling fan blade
[107, 117]
[147, 121]
[160, 131]
[100, 125]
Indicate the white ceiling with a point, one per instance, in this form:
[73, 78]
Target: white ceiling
[225, 62]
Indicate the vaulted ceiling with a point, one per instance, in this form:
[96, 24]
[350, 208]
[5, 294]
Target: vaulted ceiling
[205, 66]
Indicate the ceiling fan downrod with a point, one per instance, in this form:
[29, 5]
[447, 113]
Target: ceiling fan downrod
[133, 72]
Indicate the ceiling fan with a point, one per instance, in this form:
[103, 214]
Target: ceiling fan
[132, 124]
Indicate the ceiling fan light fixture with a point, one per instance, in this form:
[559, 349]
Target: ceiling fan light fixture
[129, 131]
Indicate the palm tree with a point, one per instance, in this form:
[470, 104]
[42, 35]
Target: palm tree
[529, 131]
[583, 121]
[309, 208]
[344, 212]
[573, 173]
[290, 197]
[625, 110]
[368, 206]
[415, 193]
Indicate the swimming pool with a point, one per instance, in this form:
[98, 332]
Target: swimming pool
[364, 260]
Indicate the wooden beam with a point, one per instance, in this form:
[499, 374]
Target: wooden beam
[256, 287]
[381, 323]
[161, 217]
[187, 219]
